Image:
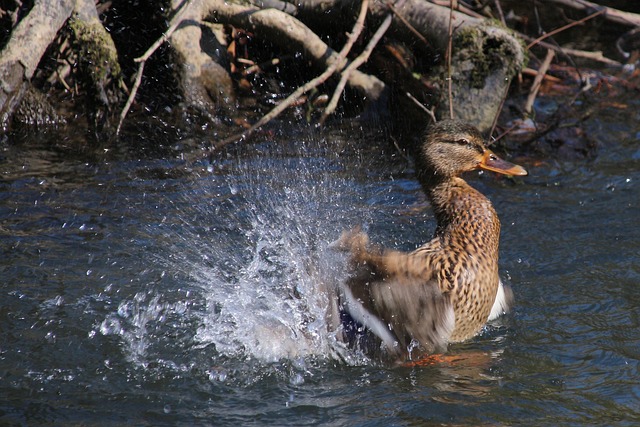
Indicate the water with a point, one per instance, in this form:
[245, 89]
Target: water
[147, 292]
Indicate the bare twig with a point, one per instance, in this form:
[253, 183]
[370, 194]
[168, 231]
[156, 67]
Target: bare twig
[495, 118]
[422, 107]
[547, 77]
[528, 107]
[500, 13]
[353, 36]
[594, 56]
[587, 86]
[459, 8]
[291, 34]
[558, 117]
[453, 4]
[566, 27]
[175, 21]
[257, 68]
[60, 78]
[502, 135]
[611, 14]
[407, 24]
[400, 150]
[361, 59]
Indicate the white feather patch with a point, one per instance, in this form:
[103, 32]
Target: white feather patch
[501, 304]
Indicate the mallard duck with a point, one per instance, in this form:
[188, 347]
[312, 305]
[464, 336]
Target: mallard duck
[446, 290]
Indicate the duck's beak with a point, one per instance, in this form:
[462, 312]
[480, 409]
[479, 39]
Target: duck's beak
[493, 163]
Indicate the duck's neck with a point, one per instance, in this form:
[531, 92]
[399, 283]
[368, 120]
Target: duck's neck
[462, 212]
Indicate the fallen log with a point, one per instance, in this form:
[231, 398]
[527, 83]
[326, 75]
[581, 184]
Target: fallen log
[96, 63]
[485, 57]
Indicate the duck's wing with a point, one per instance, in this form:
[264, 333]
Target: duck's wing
[393, 295]
[417, 312]
[402, 311]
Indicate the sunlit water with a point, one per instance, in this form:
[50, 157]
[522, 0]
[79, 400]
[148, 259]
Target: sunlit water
[148, 292]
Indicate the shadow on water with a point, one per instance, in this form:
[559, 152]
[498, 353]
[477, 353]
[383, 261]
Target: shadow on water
[147, 292]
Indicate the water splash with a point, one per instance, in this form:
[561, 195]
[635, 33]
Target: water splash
[130, 323]
[274, 306]
[250, 240]
[141, 322]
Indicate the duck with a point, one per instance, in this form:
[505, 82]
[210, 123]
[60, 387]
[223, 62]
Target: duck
[445, 291]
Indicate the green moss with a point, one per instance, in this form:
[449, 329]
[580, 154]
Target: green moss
[467, 47]
[97, 53]
[523, 44]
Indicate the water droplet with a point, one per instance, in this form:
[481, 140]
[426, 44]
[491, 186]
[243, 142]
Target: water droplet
[297, 379]
[217, 375]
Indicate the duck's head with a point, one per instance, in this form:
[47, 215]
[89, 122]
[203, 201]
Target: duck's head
[451, 147]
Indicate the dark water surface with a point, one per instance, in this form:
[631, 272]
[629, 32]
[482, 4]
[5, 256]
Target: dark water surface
[143, 292]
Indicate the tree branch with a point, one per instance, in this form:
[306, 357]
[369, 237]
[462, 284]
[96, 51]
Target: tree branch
[566, 27]
[337, 62]
[361, 59]
[533, 93]
[611, 14]
[290, 34]
[175, 21]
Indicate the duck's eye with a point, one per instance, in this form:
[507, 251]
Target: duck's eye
[465, 142]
